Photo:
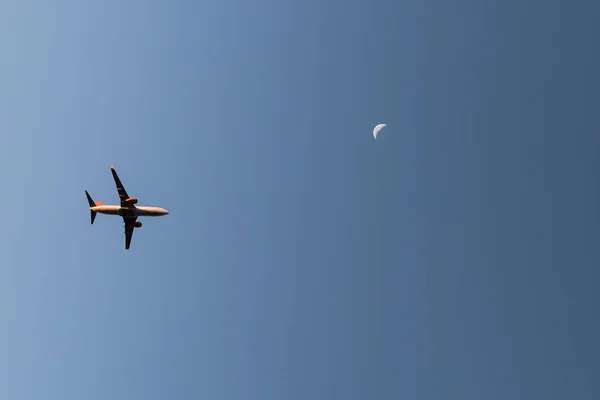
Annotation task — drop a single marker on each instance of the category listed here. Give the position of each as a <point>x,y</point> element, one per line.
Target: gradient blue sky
<point>456,257</point>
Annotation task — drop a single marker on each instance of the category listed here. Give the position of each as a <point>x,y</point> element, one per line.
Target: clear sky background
<point>456,257</point>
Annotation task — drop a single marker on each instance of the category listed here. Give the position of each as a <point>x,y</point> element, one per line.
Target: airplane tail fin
<point>92,204</point>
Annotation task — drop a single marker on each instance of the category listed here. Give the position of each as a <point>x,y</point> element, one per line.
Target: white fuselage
<point>141,211</point>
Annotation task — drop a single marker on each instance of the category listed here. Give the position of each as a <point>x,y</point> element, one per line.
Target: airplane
<point>128,209</point>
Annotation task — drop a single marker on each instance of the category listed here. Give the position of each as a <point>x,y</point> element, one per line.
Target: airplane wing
<point>120,189</point>
<point>128,230</point>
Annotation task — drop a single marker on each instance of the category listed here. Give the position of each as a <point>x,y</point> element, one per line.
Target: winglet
<point>112,167</point>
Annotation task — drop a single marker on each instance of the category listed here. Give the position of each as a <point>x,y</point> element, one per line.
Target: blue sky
<point>456,257</point>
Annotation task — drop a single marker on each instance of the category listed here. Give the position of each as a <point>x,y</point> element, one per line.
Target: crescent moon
<point>377,129</point>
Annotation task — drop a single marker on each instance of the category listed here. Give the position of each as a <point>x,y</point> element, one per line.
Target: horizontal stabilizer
<point>90,201</point>
<point>92,204</point>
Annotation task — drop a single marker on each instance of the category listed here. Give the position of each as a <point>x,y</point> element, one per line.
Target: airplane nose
<point>165,211</point>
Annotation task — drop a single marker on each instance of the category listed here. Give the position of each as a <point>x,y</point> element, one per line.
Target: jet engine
<point>131,200</point>
<point>137,224</point>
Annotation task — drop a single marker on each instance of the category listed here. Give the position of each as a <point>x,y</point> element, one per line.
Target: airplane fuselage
<point>138,211</point>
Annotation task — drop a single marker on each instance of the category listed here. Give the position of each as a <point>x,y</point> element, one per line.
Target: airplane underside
<point>138,212</point>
